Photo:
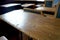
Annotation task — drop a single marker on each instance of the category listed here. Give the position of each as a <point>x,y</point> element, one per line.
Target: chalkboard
<point>48,4</point>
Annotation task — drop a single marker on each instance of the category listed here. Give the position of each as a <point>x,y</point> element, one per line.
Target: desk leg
<point>34,39</point>
<point>20,36</point>
<point>43,14</point>
<point>29,38</point>
<point>25,37</point>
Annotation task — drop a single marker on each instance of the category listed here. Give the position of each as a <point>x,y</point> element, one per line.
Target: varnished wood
<point>34,25</point>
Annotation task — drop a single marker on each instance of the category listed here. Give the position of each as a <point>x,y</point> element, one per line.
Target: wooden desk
<point>34,25</point>
<point>41,9</point>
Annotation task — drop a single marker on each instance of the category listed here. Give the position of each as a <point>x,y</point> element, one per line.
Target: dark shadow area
<point>8,9</point>
<point>22,2</point>
<point>45,12</point>
<point>8,31</point>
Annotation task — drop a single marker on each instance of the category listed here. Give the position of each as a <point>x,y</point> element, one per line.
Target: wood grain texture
<point>34,25</point>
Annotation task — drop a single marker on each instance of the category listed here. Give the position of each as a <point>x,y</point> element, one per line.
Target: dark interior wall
<point>6,0</point>
<point>22,2</point>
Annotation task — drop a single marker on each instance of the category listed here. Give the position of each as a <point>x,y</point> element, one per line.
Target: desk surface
<point>34,25</point>
<point>46,9</point>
